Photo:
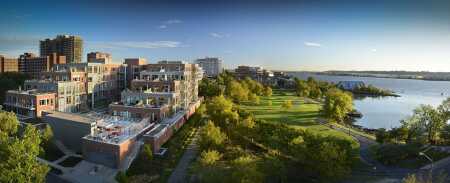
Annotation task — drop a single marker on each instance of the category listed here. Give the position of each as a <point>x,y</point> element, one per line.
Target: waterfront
<point>386,112</point>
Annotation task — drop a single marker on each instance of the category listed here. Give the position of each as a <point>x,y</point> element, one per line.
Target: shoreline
<point>386,77</point>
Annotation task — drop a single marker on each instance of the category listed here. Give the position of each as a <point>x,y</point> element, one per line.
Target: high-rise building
<point>99,57</point>
<point>211,66</point>
<point>64,45</point>
<point>8,64</point>
<point>33,65</point>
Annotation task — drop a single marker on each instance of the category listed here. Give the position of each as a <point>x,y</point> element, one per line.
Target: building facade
<point>29,103</point>
<point>134,65</point>
<point>33,65</point>
<point>63,45</point>
<point>8,64</point>
<point>99,57</point>
<point>212,67</point>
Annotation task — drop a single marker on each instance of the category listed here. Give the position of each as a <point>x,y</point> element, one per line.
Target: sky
<point>280,35</point>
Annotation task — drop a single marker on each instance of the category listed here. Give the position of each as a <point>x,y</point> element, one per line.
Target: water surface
<point>386,112</point>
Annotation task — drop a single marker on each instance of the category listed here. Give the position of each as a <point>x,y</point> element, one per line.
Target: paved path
<point>179,175</point>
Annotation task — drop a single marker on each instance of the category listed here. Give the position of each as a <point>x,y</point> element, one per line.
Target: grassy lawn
<point>302,115</point>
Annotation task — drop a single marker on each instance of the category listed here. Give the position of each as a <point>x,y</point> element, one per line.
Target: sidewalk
<point>179,175</point>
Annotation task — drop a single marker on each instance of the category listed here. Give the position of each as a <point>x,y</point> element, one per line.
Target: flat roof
<point>70,116</point>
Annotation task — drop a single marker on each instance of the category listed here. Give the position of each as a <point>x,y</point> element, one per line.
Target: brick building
<point>33,65</point>
<point>8,64</point>
<point>64,45</point>
<point>29,103</point>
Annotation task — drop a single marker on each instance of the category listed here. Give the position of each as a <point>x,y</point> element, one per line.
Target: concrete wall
<point>111,155</point>
<point>69,132</point>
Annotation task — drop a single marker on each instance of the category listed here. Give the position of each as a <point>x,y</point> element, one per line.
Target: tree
<point>267,91</point>
<point>237,92</point>
<point>431,120</point>
<point>382,136</point>
<point>211,136</point>
<point>8,123</point>
<point>302,88</point>
<point>245,170</point>
<point>209,157</point>
<point>287,104</point>
<point>18,157</point>
<point>47,136</point>
<point>220,111</point>
<point>254,99</point>
<point>209,88</point>
<point>337,105</point>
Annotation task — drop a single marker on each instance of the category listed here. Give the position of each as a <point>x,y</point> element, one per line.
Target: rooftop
<point>70,116</point>
<point>29,92</point>
<point>115,129</point>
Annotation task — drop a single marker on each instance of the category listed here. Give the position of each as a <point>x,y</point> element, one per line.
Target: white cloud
<point>373,50</point>
<point>166,23</point>
<point>135,44</point>
<point>218,35</point>
<point>312,44</point>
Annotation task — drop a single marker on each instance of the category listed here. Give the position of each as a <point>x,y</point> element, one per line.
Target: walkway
<point>179,175</point>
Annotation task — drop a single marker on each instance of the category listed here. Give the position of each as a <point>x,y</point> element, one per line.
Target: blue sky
<point>293,35</point>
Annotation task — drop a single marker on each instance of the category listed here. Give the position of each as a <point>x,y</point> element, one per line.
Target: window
<point>42,102</point>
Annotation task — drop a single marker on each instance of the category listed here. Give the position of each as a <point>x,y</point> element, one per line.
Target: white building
<point>211,66</point>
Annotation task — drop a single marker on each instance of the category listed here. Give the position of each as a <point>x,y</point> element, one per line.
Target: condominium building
<point>29,103</point>
<point>8,64</point>
<point>211,66</point>
<point>99,57</point>
<point>33,65</point>
<point>133,68</point>
<point>64,45</point>
<point>160,90</point>
<point>70,95</point>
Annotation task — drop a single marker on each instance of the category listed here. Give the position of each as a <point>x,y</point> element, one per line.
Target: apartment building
<point>8,64</point>
<point>64,45</point>
<point>134,66</point>
<point>29,103</point>
<point>33,65</point>
<point>99,57</point>
<point>256,73</point>
<point>212,67</point>
<point>160,90</point>
<point>70,95</point>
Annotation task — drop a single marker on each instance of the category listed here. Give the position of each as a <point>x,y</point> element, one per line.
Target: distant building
<point>8,64</point>
<point>33,65</point>
<point>211,66</point>
<point>29,103</point>
<point>99,57</point>
<point>350,85</point>
<point>63,45</point>
<point>256,73</point>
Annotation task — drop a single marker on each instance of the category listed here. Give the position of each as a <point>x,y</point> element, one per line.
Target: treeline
<point>372,91</point>
<point>337,104</point>
<point>236,147</point>
<point>427,125</point>
<point>246,90</point>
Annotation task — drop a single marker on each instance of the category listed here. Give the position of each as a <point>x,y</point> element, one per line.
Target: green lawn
<point>302,114</point>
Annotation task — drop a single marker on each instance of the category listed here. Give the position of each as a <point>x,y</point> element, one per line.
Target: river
<point>386,112</point>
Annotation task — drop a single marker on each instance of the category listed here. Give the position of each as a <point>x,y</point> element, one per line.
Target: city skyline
<point>381,35</point>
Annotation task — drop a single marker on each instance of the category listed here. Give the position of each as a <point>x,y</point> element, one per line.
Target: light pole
<point>431,160</point>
